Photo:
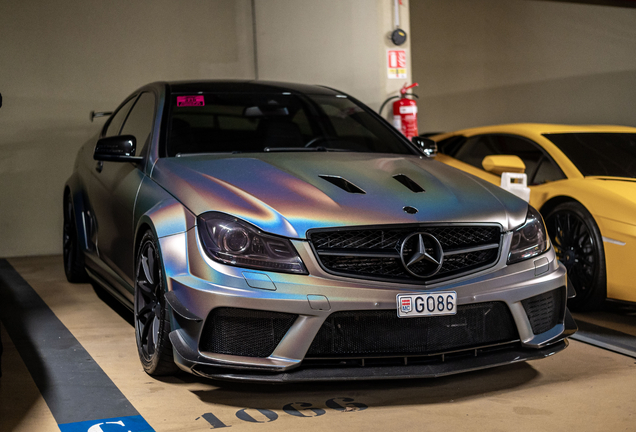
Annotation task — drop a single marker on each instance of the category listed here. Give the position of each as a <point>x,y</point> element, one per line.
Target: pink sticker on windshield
<point>184,101</point>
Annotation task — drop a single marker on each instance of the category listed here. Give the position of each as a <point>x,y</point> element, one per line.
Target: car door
<point>114,187</point>
<point>469,154</point>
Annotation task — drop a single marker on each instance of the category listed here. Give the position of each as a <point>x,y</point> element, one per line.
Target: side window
<point>529,152</point>
<point>114,125</point>
<point>547,172</point>
<point>450,145</point>
<point>140,120</point>
<point>476,149</point>
<point>538,166</point>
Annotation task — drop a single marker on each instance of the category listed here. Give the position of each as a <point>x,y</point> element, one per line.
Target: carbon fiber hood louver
<point>409,183</point>
<point>343,184</point>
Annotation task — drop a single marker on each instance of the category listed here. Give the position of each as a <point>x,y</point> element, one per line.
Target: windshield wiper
<point>302,149</point>
<point>208,153</point>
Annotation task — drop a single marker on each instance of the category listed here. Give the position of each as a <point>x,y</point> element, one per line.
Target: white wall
<point>61,59</point>
<point>337,43</point>
<point>497,61</point>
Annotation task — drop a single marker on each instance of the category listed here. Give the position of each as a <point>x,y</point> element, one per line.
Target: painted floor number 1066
<point>296,409</point>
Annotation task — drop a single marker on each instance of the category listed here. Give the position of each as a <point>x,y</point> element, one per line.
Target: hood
<point>284,193</point>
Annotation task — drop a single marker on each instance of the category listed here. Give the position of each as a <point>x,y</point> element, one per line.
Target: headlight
<point>529,239</point>
<point>231,241</point>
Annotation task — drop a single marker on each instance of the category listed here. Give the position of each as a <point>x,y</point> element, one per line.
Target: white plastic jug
<point>516,183</point>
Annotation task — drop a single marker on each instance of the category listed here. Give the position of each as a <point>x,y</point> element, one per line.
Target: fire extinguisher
<point>404,112</point>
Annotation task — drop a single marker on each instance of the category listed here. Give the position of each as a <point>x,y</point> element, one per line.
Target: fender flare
<point>165,218</point>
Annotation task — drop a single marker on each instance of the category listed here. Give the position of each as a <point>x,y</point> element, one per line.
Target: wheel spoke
<point>146,267</point>
<point>67,238</point>
<point>151,264</point>
<point>573,226</point>
<point>145,289</point>
<point>583,238</point>
<point>155,331</point>
<point>144,311</point>
<point>559,228</point>
<point>559,234</point>
<point>148,324</point>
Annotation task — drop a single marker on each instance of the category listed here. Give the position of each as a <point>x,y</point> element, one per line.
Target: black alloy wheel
<point>152,323</point>
<point>578,244</point>
<point>73,255</point>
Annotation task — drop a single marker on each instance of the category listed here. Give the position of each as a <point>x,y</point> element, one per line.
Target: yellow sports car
<point>582,179</point>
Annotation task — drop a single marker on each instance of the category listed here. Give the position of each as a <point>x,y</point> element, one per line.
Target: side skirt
<point>98,279</point>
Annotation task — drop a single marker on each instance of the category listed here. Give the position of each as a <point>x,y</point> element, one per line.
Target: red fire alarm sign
<point>396,64</point>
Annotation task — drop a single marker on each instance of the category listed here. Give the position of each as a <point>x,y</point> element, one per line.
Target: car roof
<point>530,129</point>
<point>247,86</point>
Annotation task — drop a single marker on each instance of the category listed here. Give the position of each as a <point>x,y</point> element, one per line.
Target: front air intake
<point>380,333</point>
<point>343,184</point>
<point>244,332</point>
<point>545,310</point>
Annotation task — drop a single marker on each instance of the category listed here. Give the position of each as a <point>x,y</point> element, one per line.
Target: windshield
<point>599,154</point>
<point>239,122</point>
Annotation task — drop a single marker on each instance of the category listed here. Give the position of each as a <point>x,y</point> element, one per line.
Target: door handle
<point>99,166</point>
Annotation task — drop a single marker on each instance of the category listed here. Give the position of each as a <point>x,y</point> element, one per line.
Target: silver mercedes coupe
<point>275,232</point>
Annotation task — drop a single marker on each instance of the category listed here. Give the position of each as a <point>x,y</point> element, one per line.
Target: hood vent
<point>406,181</point>
<point>343,184</point>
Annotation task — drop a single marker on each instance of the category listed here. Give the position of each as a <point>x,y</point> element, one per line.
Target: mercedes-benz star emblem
<point>422,254</point>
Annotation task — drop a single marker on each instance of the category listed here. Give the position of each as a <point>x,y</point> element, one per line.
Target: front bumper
<point>197,285</point>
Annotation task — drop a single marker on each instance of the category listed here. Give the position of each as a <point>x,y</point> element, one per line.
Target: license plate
<point>426,304</point>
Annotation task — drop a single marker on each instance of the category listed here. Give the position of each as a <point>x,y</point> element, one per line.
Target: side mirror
<point>426,145</point>
<point>499,164</point>
<point>117,149</point>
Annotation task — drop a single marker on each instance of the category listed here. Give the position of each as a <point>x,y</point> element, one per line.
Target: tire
<point>578,244</point>
<point>72,252</point>
<point>152,318</point>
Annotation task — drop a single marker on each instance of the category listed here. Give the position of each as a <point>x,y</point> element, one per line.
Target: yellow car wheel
<point>579,246</point>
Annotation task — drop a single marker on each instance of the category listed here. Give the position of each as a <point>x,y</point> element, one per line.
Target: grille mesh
<point>336,250</point>
<point>449,237</point>
<point>545,310</point>
<point>244,332</point>
<point>382,333</point>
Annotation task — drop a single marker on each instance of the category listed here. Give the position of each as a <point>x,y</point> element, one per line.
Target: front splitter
<point>449,367</point>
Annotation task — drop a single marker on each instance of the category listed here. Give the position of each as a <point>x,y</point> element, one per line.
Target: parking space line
<point>605,338</point>
<point>78,392</point>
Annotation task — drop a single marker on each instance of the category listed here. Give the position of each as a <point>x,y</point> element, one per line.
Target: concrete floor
<point>584,388</point>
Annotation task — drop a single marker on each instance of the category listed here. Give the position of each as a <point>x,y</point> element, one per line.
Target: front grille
<point>545,310</point>
<point>382,334</point>
<point>376,253</point>
<point>244,332</point>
